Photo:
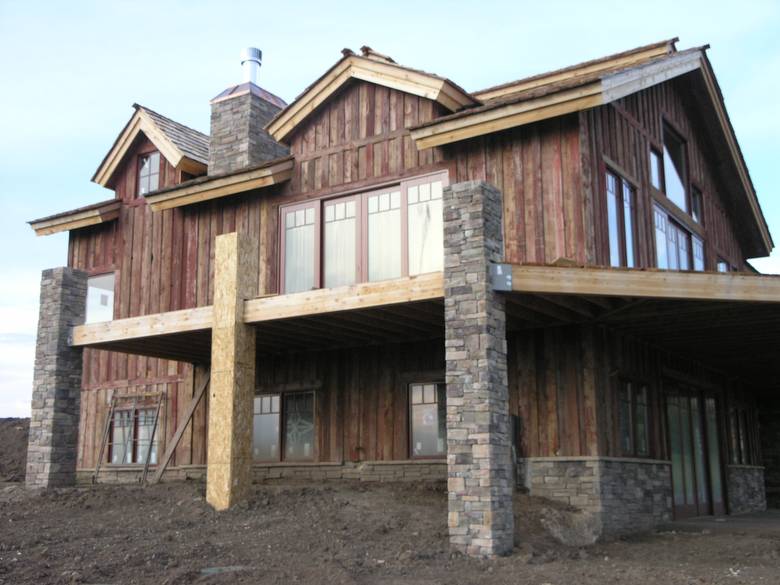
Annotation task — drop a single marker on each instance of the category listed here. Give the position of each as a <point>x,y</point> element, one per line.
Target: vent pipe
<point>251,58</point>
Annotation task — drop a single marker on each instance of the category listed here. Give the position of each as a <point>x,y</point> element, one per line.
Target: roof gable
<point>374,68</point>
<point>183,147</point>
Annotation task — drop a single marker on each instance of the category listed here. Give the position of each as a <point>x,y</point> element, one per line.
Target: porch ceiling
<point>730,322</point>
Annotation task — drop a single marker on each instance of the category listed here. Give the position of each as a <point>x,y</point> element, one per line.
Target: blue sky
<point>71,70</point>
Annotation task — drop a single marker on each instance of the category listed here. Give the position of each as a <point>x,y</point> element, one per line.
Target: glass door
<point>694,445</point>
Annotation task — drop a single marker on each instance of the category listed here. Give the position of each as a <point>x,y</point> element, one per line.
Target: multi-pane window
<point>283,427</point>
<point>676,248</point>
<point>633,423</point>
<point>620,216</point>
<point>427,403</point>
<point>148,173</point>
<point>132,438</point>
<point>100,298</point>
<point>366,237</point>
<point>299,241</point>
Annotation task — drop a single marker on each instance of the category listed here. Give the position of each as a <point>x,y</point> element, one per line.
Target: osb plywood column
<point>54,424</point>
<point>478,441</point>
<point>232,372</point>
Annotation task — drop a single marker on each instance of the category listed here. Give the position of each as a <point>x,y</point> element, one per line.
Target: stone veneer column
<point>231,392</point>
<point>54,424</point>
<point>478,443</point>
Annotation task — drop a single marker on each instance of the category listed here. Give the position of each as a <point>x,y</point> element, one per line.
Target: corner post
<point>56,398</point>
<point>478,428</point>
<point>229,467</point>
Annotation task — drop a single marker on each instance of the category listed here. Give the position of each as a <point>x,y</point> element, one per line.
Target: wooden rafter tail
<point>163,464</point>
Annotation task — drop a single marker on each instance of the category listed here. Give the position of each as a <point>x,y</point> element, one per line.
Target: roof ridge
<point>670,42</point>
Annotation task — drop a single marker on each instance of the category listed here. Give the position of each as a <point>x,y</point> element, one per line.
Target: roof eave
<point>82,217</point>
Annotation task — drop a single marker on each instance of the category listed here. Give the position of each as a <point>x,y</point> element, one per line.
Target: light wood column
<point>229,470</point>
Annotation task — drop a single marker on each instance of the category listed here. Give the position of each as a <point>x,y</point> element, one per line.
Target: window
<point>674,169</point>
<point>132,437</point>
<point>299,248</point>
<point>742,438</point>
<point>633,419</point>
<point>676,248</point>
<point>428,419</point>
<point>697,206</point>
<point>656,170</point>
<point>148,173</point>
<point>100,298</point>
<point>366,237</point>
<point>283,425</point>
<point>620,216</point>
<point>723,266</point>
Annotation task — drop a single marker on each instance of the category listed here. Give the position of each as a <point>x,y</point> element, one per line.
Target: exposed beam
<point>360,296</point>
<point>185,320</point>
<point>654,284</point>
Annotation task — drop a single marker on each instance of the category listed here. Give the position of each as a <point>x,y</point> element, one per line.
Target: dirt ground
<point>13,448</point>
<point>345,533</point>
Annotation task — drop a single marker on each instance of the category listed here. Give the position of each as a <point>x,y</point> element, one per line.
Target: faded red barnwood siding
<point>623,133</point>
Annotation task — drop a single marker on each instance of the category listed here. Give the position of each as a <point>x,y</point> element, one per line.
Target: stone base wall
<point>746,490</point>
<point>623,495</point>
<point>368,471</point>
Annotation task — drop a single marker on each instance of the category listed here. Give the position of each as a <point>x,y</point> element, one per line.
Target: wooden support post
<point>229,467</point>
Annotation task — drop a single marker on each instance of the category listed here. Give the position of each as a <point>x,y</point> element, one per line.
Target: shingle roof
<point>192,143</point>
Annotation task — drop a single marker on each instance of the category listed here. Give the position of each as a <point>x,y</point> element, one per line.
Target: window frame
<point>139,168</point>
<point>361,195</point>
<point>669,128</point>
<point>634,384</point>
<point>409,414</point>
<point>137,458</point>
<point>672,220</point>
<point>283,426</point>
<point>622,183</point>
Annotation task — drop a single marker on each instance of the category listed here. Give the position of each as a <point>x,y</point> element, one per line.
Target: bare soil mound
<point>345,533</point>
<point>13,448</point>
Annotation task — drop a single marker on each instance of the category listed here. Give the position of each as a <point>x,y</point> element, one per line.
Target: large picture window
<point>620,217</point>
<point>427,405</point>
<point>364,237</point>
<point>132,437</point>
<point>283,427</point>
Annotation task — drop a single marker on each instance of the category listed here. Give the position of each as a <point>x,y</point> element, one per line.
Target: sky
<point>70,72</point>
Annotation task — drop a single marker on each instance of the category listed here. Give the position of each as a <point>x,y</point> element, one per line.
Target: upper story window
<point>675,173</point>
<point>621,197</point>
<point>100,298</point>
<point>676,248</point>
<point>697,206</point>
<point>148,173</point>
<point>723,265</point>
<point>364,237</point>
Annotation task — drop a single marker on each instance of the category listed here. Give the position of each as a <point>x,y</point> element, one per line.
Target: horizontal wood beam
<point>349,298</point>
<point>652,284</point>
<point>185,320</point>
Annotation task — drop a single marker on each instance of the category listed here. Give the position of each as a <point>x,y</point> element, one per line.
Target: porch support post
<point>229,469</point>
<point>54,424</point>
<point>478,428</point>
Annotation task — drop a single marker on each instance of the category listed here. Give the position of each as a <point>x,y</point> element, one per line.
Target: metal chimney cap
<point>251,54</point>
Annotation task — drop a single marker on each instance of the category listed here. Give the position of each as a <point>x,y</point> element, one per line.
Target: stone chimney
<point>238,117</point>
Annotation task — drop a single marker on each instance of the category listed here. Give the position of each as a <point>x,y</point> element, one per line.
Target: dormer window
<point>148,173</point>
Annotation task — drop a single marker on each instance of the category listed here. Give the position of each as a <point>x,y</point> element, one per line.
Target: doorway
<point>695,449</point>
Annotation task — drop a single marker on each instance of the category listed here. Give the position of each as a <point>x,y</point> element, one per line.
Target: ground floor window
<point>283,427</point>
<point>633,419</point>
<point>427,403</point>
<point>132,436</point>
<point>743,442</point>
